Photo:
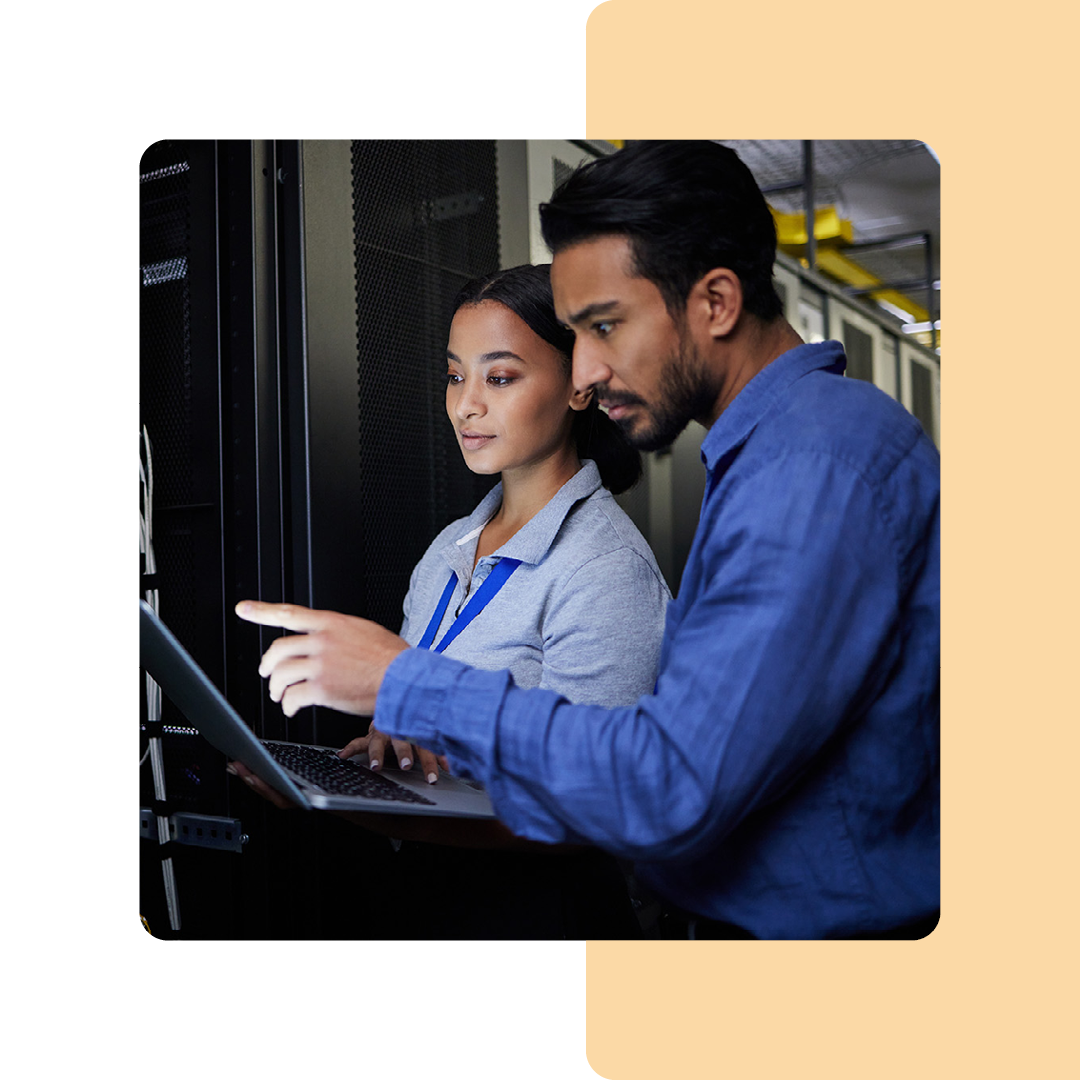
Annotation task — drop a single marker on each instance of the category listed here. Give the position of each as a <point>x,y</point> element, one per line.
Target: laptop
<point>314,777</point>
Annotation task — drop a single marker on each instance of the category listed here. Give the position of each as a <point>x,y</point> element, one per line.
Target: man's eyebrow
<point>601,307</point>
<point>488,357</point>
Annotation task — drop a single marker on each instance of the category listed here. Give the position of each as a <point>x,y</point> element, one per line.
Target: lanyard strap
<point>489,587</point>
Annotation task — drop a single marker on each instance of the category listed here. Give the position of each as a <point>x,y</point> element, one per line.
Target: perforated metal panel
<point>425,221</point>
<point>166,375</point>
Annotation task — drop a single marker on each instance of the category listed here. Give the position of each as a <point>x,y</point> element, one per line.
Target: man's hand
<point>332,659</point>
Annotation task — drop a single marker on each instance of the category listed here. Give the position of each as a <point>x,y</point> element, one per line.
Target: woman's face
<point>508,392</point>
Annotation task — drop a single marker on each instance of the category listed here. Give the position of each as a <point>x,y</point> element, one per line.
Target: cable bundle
<point>146,548</point>
<point>153,691</point>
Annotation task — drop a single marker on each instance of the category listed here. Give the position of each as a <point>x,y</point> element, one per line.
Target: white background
<point>86,92</point>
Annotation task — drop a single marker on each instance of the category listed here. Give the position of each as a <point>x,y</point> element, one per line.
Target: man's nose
<point>589,369</point>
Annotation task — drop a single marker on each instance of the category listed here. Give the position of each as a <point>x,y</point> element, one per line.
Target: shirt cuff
<point>421,699</point>
<point>454,709</point>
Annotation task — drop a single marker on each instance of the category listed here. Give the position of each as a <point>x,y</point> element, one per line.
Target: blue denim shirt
<point>784,776</point>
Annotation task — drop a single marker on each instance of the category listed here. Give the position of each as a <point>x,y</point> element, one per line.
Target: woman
<point>583,612</point>
<point>579,609</point>
<point>548,578</point>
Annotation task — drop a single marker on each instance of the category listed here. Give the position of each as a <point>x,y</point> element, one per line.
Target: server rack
<point>295,302</point>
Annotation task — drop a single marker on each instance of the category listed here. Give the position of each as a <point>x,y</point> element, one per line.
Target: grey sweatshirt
<point>582,615</point>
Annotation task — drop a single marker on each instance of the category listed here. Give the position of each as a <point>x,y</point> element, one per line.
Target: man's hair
<point>685,208</point>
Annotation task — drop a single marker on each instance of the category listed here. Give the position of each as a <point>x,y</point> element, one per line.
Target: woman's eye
<point>452,378</point>
<point>500,380</point>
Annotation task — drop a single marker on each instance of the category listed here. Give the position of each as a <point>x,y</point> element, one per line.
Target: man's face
<point>645,371</point>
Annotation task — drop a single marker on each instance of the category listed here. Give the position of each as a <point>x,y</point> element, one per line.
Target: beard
<point>686,393</point>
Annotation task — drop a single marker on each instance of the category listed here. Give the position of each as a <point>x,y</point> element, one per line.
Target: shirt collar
<point>531,542</point>
<point>739,419</point>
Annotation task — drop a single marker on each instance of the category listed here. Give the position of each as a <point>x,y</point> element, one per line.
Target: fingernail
<point>405,763</point>
<point>230,769</point>
<point>432,777</point>
<point>373,764</point>
<point>249,780</point>
<point>243,607</point>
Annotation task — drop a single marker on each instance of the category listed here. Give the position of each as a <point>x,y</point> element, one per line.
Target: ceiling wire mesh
<point>775,162</point>
<point>858,178</point>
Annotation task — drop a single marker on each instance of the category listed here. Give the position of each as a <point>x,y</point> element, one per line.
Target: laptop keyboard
<point>340,776</point>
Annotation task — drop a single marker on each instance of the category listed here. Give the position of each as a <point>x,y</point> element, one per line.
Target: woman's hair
<point>685,207</point>
<point>526,291</point>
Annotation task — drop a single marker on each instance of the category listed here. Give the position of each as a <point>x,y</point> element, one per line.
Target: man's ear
<point>716,302</point>
<point>580,399</point>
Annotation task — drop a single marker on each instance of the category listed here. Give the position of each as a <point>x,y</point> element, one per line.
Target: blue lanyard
<point>490,586</point>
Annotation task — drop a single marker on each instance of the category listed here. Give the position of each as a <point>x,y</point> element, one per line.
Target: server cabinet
<point>295,303</point>
<point>920,388</point>
<point>389,232</point>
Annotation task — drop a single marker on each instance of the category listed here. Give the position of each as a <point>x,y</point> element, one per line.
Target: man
<point>782,781</point>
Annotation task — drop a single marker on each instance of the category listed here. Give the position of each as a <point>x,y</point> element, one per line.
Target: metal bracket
<point>199,830</point>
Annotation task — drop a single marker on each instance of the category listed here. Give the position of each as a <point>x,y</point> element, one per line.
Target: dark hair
<point>526,291</point>
<point>686,208</point>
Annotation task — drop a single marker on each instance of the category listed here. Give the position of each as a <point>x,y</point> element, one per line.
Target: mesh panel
<point>165,369</point>
<point>426,221</point>
<point>780,161</point>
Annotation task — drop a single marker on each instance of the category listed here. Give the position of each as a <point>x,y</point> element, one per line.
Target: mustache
<point>611,398</point>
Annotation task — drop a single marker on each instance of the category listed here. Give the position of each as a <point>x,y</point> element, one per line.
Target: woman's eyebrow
<point>488,357</point>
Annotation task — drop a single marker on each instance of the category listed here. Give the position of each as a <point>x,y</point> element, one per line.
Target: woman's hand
<point>374,744</point>
<point>260,787</point>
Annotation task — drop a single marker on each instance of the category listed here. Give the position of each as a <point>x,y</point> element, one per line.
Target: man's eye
<point>602,329</point>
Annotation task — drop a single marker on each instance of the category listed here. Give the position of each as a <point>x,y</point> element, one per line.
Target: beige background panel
<point>991,992</point>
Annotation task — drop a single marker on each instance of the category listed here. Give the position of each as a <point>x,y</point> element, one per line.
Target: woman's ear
<point>580,399</point>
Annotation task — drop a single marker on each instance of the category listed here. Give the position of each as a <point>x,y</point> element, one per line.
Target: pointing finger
<point>287,616</point>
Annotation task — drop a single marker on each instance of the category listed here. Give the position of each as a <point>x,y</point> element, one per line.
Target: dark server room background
<point>295,300</point>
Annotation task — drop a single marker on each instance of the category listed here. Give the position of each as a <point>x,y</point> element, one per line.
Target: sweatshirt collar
<point>531,542</point>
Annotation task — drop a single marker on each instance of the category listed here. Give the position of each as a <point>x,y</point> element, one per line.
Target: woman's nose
<point>469,403</point>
